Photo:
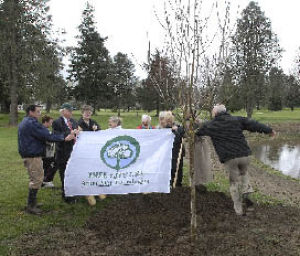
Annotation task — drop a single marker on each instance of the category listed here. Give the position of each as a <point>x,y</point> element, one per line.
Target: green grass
<point>14,187</point>
<point>13,196</point>
<point>221,184</point>
<point>14,181</point>
<point>267,116</point>
<point>129,119</point>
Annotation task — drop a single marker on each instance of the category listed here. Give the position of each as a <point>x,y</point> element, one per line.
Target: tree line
<point>32,54</point>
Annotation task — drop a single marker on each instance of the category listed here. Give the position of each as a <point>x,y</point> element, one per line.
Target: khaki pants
<point>35,170</point>
<point>239,181</point>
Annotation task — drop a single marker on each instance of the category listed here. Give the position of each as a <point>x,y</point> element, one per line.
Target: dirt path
<point>275,186</point>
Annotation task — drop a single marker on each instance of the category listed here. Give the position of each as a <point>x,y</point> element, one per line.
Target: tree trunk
<point>94,107</point>
<point>157,106</point>
<point>249,109</point>
<point>13,84</point>
<point>48,106</point>
<point>191,140</point>
<point>13,115</point>
<point>258,106</point>
<point>249,112</point>
<point>5,106</point>
<point>13,64</point>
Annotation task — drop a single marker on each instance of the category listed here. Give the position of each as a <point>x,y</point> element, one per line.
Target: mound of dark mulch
<point>158,224</point>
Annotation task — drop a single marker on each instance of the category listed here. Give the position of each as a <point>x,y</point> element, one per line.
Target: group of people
<point>42,159</point>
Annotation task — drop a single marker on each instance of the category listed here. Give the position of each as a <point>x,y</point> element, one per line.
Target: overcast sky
<point>130,24</point>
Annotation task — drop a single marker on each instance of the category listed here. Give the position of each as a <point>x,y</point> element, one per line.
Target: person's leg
<point>62,169</point>
<point>243,166</point>
<point>36,174</point>
<point>235,185</point>
<point>50,169</point>
<point>246,186</point>
<point>173,170</point>
<point>180,173</point>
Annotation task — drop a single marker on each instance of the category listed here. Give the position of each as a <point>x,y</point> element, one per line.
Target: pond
<point>282,156</point>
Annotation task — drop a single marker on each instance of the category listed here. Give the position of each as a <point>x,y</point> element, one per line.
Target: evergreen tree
<point>256,50</point>
<point>277,81</point>
<point>147,97</point>
<point>292,92</point>
<point>90,63</point>
<point>25,28</point>
<point>160,83</point>
<point>12,24</point>
<point>228,92</point>
<point>123,81</point>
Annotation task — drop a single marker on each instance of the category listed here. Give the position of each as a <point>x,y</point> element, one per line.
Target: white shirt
<point>66,121</point>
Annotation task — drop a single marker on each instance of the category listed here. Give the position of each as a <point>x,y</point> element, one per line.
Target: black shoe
<point>33,210</point>
<point>70,200</point>
<point>248,204</point>
<point>201,189</point>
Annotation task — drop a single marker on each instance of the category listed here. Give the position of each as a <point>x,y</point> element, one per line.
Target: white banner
<point>120,161</point>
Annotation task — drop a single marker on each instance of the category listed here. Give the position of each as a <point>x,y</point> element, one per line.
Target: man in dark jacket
<point>32,137</point>
<point>65,125</point>
<point>226,132</point>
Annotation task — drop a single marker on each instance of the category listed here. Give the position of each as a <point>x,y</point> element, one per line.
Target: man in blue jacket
<point>226,132</point>
<point>32,137</point>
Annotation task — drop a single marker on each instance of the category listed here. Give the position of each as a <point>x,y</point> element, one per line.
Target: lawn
<point>14,181</point>
<point>267,116</point>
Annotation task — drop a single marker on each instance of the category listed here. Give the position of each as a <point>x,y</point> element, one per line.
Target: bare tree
<point>197,39</point>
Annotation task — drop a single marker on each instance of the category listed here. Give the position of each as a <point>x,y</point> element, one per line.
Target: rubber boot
<point>31,203</point>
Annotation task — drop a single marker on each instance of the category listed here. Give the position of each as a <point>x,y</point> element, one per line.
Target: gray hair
<point>218,109</point>
<point>146,118</point>
<point>116,120</point>
<point>167,117</point>
<point>87,108</point>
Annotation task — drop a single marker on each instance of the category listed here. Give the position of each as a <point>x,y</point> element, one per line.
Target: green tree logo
<point>120,152</point>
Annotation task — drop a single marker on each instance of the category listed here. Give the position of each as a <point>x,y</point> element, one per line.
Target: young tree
<point>90,62</point>
<point>256,50</point>
<point>191,40</point>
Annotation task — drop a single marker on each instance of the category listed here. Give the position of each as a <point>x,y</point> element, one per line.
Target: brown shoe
<point>102,197</point>
<point>91,200</point>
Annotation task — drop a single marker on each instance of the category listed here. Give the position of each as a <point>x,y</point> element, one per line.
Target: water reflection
<point>281,156</point>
